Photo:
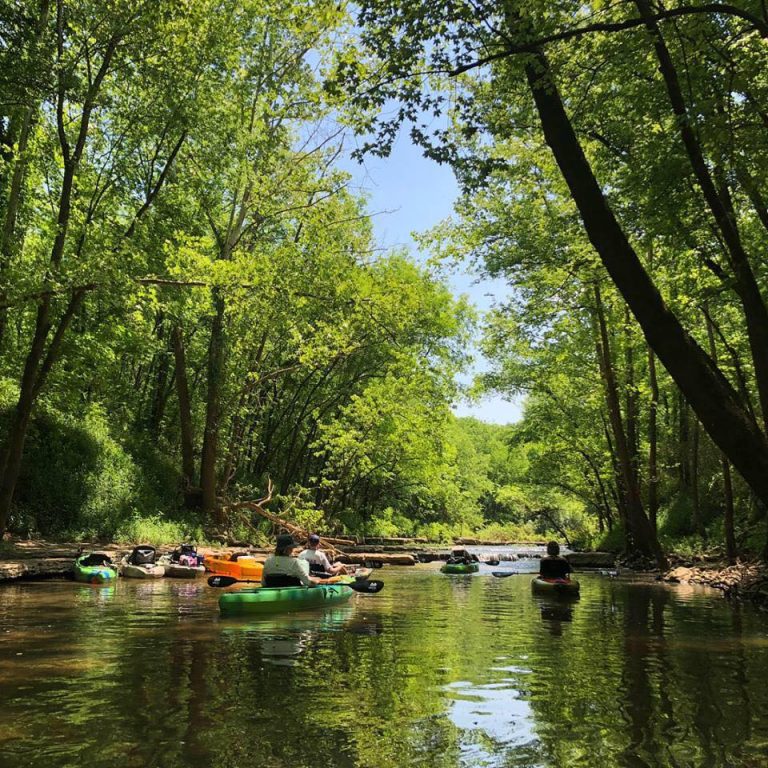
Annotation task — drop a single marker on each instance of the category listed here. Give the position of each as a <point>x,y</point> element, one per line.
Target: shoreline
<point>30,559</point>
<point>744,581</point>
<point>39,559</point>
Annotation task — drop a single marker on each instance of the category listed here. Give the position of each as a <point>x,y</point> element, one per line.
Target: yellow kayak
<point>243,567</point>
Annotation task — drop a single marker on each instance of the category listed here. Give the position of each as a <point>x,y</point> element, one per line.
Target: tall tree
<point>508,48</point>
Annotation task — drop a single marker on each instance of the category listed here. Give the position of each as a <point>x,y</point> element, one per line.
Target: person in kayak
<point>460,556</point>
<point>318,560</point>
<point>553,566</point>
<point>284,569</point>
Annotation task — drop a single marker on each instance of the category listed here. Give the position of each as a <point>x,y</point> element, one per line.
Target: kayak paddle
<point>364,586</point>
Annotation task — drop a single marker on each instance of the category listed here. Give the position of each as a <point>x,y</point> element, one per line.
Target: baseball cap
<point>314,538</point>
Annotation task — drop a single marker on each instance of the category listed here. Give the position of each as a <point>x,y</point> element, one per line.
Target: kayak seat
<point>143,555</point>
<point>96,559</point>
<point>274,580</point>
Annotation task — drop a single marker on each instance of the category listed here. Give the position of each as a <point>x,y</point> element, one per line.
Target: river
<point>440,671</point>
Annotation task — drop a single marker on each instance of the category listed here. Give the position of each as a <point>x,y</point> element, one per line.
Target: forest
<point>193,303</point>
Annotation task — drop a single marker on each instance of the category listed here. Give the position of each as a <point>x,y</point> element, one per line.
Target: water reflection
<point>433,671</point>
<point>555,611</point>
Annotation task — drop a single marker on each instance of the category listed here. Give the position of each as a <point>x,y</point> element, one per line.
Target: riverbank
<point>40,559</point>
<point>744,581</point>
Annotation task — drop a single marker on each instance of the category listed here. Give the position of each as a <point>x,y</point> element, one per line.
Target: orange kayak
<point>243,567</point>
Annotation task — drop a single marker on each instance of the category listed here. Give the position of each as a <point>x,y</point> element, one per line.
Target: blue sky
<point>409,193</point>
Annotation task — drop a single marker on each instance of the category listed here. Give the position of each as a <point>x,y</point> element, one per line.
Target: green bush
<point>437,532</point>
<point>155,529</point>
<point>78,481</point>
<point>675,517</point>
<point>612,541</point>
<point>389,523</point>
<point>511,532</point>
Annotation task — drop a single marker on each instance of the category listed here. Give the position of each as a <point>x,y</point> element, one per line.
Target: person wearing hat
<point>284,569</point>
<point>318,560</point>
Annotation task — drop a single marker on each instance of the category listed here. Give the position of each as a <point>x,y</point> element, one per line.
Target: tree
<point>416,53</point>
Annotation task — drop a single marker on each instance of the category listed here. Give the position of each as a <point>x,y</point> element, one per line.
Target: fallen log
<point>591,559</point>
<point>356,558</point>
<point>386,540</point>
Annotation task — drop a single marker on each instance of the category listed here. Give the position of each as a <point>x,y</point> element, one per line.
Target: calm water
<point>435,670</point>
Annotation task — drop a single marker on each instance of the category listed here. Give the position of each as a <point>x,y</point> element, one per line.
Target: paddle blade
<point>367,587</point>
<point>222,581</point>
<point>503,574</point>
<point>373,564</point>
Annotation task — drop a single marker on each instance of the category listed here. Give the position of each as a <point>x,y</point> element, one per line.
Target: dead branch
<point>299,533</point>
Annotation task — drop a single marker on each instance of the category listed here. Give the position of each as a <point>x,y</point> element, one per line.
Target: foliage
<point>192,301</point>
<point>157,529</point>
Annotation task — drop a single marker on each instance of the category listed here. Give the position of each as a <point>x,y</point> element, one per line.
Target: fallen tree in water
<point>280,523</point>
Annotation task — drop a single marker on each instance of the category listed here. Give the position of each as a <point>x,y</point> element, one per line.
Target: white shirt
<point>316,557</point>
<point>287,566</point>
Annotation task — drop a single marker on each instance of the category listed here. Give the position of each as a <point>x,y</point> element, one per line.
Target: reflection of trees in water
<point>682,706</point>
<point>638,703</point>
<point>638,652</point>
<point>740,679</point>
<point>377,686</point>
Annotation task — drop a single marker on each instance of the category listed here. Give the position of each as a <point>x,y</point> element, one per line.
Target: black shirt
<point>554,568</point>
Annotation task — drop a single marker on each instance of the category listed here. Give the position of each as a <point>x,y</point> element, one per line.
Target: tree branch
<point>758,24</point>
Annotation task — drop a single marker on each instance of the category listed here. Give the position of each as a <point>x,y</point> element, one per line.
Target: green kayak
<point>555,586</point>
<point>460,568</point>
<point>247,602</point>
<point>94,568</point>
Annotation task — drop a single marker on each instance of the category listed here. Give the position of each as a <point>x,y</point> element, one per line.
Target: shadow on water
<point>437,671</point>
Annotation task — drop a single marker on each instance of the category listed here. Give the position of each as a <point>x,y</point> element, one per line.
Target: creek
<point>435,670</point>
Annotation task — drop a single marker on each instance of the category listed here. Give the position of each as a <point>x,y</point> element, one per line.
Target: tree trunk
<point>630,400</point>
<point>639,536</point>
<point>209,455</point>
<point>160,392</point>
<point>728,515</point>
<point>38,362</point>
<point>37,366</point>
<point>698,524</point>
<point>185,409</point>
<point>653,468</point>
<point>616,489</point>
<point>746,285</point>
<point>683,445</point>
<point>710,394</point>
